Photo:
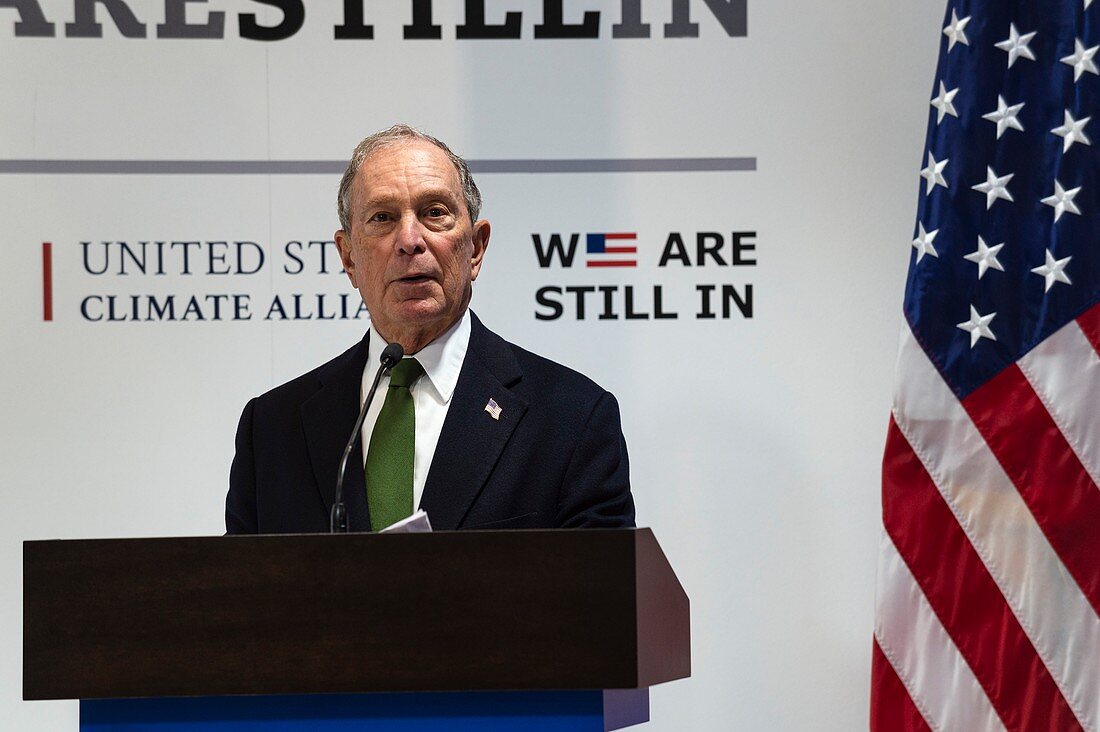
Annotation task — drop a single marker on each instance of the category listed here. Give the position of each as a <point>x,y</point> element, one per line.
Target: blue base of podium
<point>533,711</point>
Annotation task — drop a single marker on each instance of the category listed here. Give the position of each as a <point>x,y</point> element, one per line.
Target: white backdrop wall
<point>755,442</point>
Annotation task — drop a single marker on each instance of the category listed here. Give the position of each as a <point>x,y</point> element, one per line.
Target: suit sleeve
<point>596,491</point>
<point>240,502</point>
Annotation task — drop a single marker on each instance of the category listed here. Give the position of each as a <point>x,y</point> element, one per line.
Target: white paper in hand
<point>418,523</point>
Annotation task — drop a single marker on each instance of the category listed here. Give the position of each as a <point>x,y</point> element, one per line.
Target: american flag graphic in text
<point>988,592</point>
<point>611,250</point>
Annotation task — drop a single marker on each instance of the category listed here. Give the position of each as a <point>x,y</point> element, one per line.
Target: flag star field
<point>1008,160</point>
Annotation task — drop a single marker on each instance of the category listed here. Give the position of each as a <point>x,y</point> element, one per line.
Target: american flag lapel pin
<point>493,409</point>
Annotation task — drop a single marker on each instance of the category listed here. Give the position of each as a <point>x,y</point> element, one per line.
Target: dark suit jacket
<point>555,458</point>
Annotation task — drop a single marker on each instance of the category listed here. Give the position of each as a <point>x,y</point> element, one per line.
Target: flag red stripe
<point>620,250</point>
<point>613,263</point>
<point>47,280</point>
<point>1045,470</point>
<point>891,708</point>
<point>964,596</point>
<point>1089,322</point>
<point>620,236</point>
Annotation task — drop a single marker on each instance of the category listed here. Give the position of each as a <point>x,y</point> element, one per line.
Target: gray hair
<point>394,136</point>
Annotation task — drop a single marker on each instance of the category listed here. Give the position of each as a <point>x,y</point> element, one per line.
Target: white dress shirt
<point>442,361</point>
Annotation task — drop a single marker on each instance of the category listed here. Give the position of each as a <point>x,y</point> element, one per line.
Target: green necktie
<point>389,469</point>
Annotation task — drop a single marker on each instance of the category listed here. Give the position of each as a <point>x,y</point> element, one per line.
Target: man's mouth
<point>414,279</point>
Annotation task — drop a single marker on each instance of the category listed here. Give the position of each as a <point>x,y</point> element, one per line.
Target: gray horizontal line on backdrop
<point>335,167</point>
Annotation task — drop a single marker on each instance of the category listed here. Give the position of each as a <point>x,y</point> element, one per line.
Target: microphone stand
<point>338,518</point>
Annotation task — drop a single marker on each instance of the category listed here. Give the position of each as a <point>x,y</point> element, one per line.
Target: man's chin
<point>419,312</point>
<point>419,317</point>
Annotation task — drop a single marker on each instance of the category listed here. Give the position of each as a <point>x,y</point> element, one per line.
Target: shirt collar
<point>442,358</point>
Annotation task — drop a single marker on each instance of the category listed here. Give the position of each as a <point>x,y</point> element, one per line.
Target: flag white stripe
<point>1052,610</point>
<point>1064,371</point>
<point>939,680</point>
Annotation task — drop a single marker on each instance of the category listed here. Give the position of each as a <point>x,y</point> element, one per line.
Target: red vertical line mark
<point>47,281</point>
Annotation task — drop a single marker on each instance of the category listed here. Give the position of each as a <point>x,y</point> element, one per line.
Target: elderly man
<point>474,430</point>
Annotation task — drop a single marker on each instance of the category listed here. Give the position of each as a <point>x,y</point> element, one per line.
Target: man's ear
<point>343,245</point>
<point>481,243</point>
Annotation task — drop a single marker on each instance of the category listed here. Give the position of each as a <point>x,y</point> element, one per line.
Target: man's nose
<point>410,235</point>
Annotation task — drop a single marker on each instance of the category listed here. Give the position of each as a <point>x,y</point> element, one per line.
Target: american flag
<point>988,596</point>
<point>611,250</point>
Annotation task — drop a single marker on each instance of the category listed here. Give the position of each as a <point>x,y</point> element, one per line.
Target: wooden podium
<point>543,630</point>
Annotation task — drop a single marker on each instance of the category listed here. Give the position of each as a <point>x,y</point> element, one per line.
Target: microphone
<point>338,519</point>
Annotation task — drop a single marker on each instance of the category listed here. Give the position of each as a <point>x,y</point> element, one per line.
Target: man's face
<point>412,251</point>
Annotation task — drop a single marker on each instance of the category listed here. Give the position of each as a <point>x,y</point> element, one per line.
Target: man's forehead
<point>405,162</point>
<point>388,194</point>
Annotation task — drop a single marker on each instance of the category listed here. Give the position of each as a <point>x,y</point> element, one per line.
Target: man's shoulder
<point>536,377</point>
<point>541,368</point>
<point>348,366</point>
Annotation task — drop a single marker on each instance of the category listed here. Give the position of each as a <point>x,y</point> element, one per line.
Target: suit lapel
<point>328,418</point>
<point>472,440</point>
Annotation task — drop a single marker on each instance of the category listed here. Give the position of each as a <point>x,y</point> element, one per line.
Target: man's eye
<point>380,216</point>
<point>437,211</point>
